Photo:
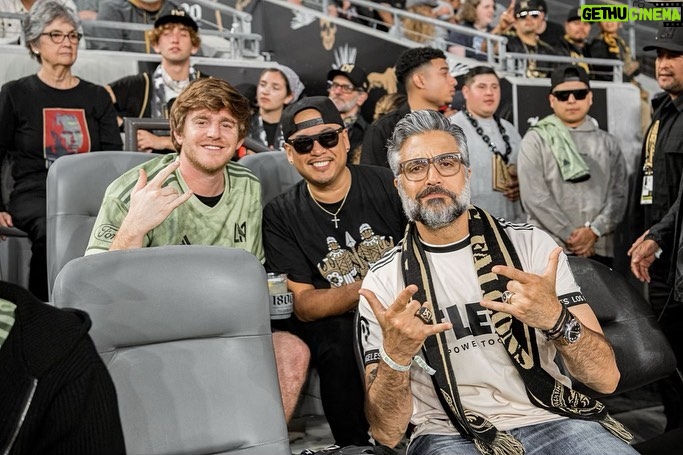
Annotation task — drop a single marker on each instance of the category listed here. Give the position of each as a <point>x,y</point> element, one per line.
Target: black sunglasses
<point>563,95</point>
<point>304,144</point>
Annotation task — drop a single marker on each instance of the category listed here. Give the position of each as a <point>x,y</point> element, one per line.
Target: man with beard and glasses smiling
<point>325,233</point>
<point>461,322</point>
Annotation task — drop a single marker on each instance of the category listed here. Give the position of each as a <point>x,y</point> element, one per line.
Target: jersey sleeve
<point>109,219</point>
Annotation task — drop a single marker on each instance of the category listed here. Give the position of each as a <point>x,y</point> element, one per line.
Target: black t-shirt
<point>301,240</point>
<point>270,129</point>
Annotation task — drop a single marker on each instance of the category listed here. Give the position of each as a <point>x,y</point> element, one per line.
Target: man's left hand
<point>534,300</point>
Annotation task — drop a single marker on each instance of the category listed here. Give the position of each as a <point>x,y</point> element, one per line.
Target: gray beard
<point>435,214</point>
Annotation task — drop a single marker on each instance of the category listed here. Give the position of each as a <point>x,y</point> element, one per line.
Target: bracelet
<point>556,330</point>
<point>389,361</point>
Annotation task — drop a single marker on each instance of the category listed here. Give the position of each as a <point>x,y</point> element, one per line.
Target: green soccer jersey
<point>235,221</point>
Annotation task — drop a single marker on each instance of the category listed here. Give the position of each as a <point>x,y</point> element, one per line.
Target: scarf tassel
<point>616,428</point>
<point>503,444</point>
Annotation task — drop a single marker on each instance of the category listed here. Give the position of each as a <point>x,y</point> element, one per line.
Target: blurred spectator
<point>87,9</point>
<point>176,38</point>
<point>420,31</point>
<point>572,175</point>
<point>384,20</point>
<point>10,29</point>
<point>476,14</point>
<point>608,44</point>
<point>56,394</point>
<point>277,87</point>
<point>47,115</point>
<point>424,73</point>
<point>574,42</point>
<point>493,144</point>
<point>524,39</point>
<point>347,87</point>
<point>549,31</point>
<point>132,12</point>
<point>388,103</point>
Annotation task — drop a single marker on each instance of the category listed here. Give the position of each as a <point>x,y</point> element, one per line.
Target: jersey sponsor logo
<point>240,232</point>
<point>478,321</point>
<point>106,232</point>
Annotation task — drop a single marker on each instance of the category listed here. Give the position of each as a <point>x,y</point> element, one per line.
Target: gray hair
<point>419,122</point>
<point>42,13</point>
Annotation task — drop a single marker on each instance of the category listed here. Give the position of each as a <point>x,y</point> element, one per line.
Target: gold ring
<point>425,314</point>
<point>507,297</point>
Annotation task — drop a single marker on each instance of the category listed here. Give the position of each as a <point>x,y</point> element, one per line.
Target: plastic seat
<point>185,334</point>
<point>273,171</point>
<point>75,188</point>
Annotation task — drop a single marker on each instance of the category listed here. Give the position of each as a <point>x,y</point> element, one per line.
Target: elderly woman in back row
<point>44,116</point>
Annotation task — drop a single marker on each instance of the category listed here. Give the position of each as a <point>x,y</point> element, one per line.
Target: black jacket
<point>56,395</point>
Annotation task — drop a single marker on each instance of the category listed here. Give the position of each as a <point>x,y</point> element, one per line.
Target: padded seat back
<point>75,188</point>
<point>274,172</point>
<point>185,333</point>
<point>643,354</point>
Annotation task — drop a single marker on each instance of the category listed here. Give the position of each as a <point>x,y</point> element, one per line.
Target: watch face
<point>572,331</point>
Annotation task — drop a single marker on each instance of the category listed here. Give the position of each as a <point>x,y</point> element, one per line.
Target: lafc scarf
<point>491,246</point>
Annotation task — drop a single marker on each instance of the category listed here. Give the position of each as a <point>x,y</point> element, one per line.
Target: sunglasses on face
<point>563,95</point>
<point>304,144</point>
<point>524,14</point>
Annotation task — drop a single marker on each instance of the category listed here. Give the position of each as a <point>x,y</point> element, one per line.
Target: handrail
<point>617,65</point>
<point>245,19</point>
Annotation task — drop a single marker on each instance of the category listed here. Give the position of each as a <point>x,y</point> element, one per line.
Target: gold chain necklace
<point>335,219</point>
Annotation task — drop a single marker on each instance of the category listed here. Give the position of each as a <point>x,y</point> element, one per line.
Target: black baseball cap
<point>529,5</point>
<point>354,73</point>
<point>574,14</point>
<point>177,16</point>
<point>567,74</point>
<point>669,38</point>
<point>328,114</point>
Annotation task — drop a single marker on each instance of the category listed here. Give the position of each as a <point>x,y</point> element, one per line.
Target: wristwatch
<point>571,332</point>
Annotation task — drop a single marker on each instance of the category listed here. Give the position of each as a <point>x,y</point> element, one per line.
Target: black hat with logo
<point>177,16</point>
<point>669,38</point>
<point>354,73</point>
<point>567,74</point>
<point>328,114</point>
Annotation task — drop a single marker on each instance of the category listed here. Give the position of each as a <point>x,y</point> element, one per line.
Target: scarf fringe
<point>616,428</point>
<point>504,444</point>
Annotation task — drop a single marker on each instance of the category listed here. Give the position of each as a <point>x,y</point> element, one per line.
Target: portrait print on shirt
<point>65,132</point>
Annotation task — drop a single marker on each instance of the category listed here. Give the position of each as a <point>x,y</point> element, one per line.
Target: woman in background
<point>45,116</point>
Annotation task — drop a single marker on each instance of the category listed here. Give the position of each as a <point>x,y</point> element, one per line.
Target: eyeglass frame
<point>580,94</point>
<point>315,138</point>
<point>331,85</point>
<point>432,161</point>
<point>56,33</point>
<point>524,14</point>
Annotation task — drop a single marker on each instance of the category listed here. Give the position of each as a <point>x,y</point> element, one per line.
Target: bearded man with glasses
<point>322,233</point>
<point>460,325</point>
<point>572,175</point>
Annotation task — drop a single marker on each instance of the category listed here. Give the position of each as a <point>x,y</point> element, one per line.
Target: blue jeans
<point>560,437</point>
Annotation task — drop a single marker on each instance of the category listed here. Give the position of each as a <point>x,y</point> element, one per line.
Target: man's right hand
<point>5,221</point>
<point>642,254</point>
<point>403,332</point>
<point>150,205</point>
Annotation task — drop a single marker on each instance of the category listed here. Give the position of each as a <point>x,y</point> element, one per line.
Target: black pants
<point>29,214</point>
<point>331,343</point>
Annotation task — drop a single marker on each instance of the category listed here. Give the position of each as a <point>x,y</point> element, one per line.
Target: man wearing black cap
<point>657,200</point>
<point>572,175</point>
<point>574,41</point>
<point>348,89</point>
<point>524,38</point>
<point>325,233</point>
<point>175,37</point>
<point>424,73</point>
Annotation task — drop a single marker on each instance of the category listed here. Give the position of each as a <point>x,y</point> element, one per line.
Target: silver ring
<point>507,297</point>
<point>425,314</point>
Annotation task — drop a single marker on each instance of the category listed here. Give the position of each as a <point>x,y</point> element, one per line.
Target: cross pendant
<point>336,221</point>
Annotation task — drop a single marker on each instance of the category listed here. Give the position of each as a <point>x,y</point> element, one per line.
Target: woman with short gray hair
<point>45,116</point>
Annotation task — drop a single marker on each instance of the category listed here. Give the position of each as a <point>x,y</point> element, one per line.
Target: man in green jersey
<point>198,196</point>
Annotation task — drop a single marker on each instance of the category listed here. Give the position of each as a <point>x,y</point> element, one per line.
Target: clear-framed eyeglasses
<point>58,37</point>
<point>447,164</point>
